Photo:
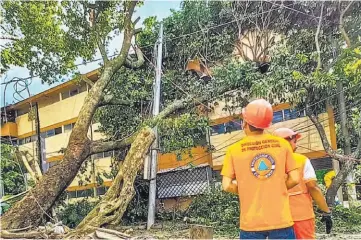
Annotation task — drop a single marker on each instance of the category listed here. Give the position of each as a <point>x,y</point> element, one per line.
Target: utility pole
<point>37,128</point>
<point>155,145</point>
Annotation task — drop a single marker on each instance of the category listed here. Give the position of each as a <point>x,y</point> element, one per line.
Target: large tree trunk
<point>111,208</point>
<point>41,198</point>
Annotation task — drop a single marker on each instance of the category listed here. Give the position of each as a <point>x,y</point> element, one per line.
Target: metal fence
<point>185,182</point>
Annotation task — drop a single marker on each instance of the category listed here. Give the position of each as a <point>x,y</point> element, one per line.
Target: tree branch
<point>341,24</point>
<point>86,79</point>
<point>12,38</point>
<point>105,146</point>
<point>319,64</point>
<point>138,63</point>
<point>129,7</point>
<point>102,50</point>
<point>357,152</point>
<point>326,145</point>
<point>109,99</point>
<point>137,30</point>
<point>136,21</point>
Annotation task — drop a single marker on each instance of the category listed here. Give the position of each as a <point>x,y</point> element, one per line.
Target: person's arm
<point>293,178</point>
<point>317,196</point>
<point>293,175</point>
<point>228,185</point>
<point>228,174</point>
<point>309,177</point>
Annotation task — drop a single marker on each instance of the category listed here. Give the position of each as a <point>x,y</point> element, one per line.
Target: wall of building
<point>310,143</point>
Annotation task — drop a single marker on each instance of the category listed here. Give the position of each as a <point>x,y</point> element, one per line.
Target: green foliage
<point>11,175</point>
<point>320,174</point>
<point>182,132</point>
<point>346,220</point>
<point>73,213</point>
<point>218,209</point>
<point>49,36</point>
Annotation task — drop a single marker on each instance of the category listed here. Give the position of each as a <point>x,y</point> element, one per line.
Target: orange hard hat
<point>286,133</point>
<point>258,113</point>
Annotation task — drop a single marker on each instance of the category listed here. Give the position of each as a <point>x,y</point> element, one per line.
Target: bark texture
<point>41,198</point>
<point>111,208</point>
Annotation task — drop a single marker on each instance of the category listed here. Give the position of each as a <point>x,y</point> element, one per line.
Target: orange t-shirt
<point>259,164</point>
<point>300,198</point>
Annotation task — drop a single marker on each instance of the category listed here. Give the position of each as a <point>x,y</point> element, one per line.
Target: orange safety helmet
<point>286,133</point>
<point>258,113</point>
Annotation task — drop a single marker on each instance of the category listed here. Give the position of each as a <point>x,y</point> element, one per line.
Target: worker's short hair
<point>254,129</point>
<point>291,137</point>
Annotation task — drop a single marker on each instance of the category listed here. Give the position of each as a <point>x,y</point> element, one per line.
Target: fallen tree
<point>111,208</point>
<point>41,198</point>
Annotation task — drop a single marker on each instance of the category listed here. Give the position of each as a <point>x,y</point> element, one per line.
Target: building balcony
<point>9,129</point>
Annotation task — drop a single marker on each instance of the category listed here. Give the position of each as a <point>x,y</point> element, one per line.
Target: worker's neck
<point>255,133</point>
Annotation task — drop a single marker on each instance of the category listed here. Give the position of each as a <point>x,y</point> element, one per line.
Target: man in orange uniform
<point>259,163</point>
<point>301,195</point>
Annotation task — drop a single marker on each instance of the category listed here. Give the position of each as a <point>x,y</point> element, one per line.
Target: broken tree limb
<point>41,198</point>
<point>17,235</point>
<point>113,232</point>
<point>103,146</point>
<point>200,232</point>
<point>133,64</point>
<point>110,99</point>
<point>325,142</point>
<point>111,208</point>
<point>27,165</point>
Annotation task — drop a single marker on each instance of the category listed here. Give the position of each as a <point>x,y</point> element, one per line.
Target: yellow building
<point>188,175</point>
<point>58,111</point>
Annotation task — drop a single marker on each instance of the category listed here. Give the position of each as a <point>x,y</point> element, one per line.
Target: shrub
<point>73,213</point>
<point>345,220</point>
<point>218,209</point>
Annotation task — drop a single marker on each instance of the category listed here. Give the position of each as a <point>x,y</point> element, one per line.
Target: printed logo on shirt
<point>263,166</point>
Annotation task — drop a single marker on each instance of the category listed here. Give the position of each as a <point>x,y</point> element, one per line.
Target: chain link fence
<point>185,182</point>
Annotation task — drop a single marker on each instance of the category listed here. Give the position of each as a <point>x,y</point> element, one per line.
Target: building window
<point>218,129</point>
<point>72,194</point>
<point>58,130</point>
<point>20,112</point>
<point>82,88</point>
<point>85,193</point>
<point>73,92</point>
<point>234,125</point>
<point>101,190</point>
<point>108,154</point>
<point>98,155</point>
<point>65,95</point>
<point>54,163</point>
<point>277,117</point>
<point>27,139</point>
<point>50,133</point>
<point>68,127</point>
<point>293,114</point>
<point>21,141</point>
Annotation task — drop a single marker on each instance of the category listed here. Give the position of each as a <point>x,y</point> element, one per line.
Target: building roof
<point>93,75</point>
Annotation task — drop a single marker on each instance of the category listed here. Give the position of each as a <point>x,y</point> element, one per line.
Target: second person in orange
<point>301,195</point>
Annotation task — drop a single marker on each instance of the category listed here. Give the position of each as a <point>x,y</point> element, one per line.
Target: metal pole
<point>156,103</point>
<point>37,126</point>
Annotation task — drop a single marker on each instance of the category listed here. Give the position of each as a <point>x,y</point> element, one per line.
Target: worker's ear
<point>244,124</point>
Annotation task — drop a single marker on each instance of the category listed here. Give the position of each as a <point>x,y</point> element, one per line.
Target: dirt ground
<point>181,231</point>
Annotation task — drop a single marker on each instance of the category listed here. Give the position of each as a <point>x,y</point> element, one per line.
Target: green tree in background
<point>11,175</point>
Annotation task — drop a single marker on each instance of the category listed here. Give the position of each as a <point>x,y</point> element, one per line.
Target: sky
<point>160,9</point>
